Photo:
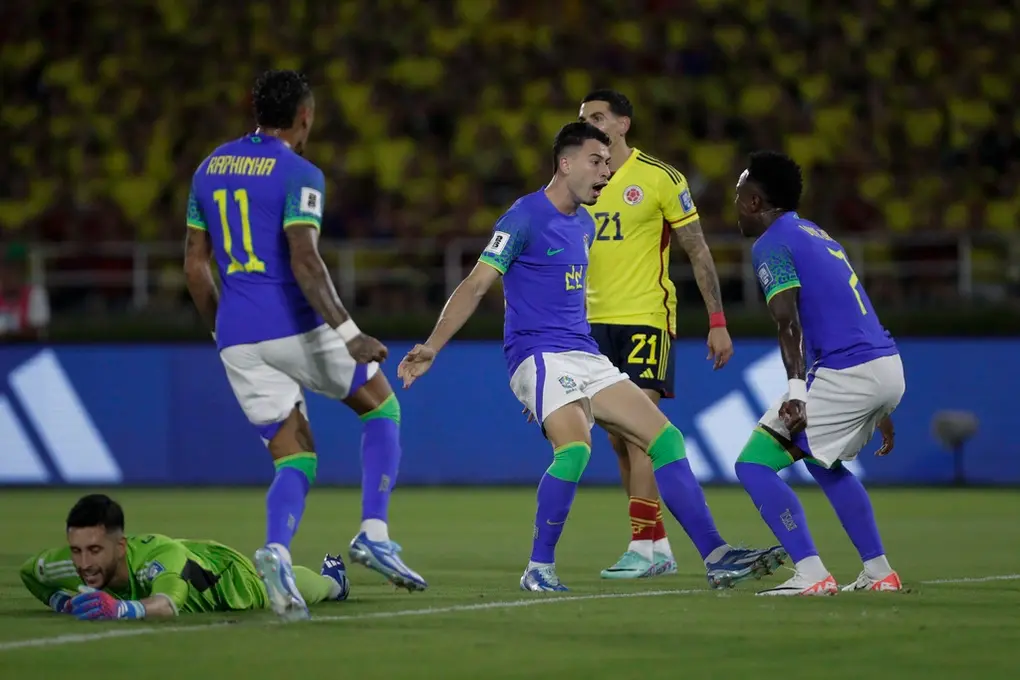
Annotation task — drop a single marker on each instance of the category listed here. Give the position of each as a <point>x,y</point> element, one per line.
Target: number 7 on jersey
<point>854,281</point>
<point>253,264</point>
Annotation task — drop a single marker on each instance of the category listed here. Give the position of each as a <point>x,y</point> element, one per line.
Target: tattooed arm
<point>692,239</point>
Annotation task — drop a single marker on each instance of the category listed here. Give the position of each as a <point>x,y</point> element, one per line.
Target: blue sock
<point>779,507</point>
<point>380,458</point>
<point>681,492</point>
<point>853,507</point>
<point>555,496</point>
<point>285,500</point>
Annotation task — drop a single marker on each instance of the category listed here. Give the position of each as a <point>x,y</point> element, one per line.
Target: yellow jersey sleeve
<point>675,198</point>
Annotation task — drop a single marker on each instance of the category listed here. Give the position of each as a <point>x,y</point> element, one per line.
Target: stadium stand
<point>433,116</point>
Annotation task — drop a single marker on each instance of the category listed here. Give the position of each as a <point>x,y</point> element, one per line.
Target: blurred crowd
<point>433,116</point>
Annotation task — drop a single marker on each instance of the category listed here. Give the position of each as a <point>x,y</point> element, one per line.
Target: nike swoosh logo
<point>550,522</point>
<point>552,252</point>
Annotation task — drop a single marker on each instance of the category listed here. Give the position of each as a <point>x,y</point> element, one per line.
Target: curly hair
<point>779,177</point>
<point>276,97</point>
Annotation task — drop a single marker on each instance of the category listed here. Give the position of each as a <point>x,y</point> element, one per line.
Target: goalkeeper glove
<point>97,605</point>
<point>60,602</point>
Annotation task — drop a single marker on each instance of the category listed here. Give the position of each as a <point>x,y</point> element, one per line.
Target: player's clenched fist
<point>794,415</point>
<point>366,349</point>
<point>414,365</point>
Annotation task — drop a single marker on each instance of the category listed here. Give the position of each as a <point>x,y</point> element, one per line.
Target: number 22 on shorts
<point>838,254</point>
<point>254,264</point>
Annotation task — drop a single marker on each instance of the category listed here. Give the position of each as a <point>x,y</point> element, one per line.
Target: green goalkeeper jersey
<point>197,576</point>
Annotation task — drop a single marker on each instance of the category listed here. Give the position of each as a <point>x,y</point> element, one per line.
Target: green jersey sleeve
<point>159,564</point>
<point>50,572</point>
<point>306,191</point>
<point>196,219</point>
<point>509,239</point>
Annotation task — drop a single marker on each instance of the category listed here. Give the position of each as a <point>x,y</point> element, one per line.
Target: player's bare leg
<point>378,408</point>
<point>624,409</point>
<point>291,445</point>
<point>568,430</point>
<point>649,552</point>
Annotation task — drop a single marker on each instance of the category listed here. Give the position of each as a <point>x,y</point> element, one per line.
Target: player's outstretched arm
<point>785,312</point>
<point>198,251</point>
<point>457,310</point>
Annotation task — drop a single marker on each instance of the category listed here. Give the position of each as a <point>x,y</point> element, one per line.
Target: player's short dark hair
<point>618,102</point>
<point>276,97</point>
<point>96,510</point>
<point>576,134</point>
<point>778,176</point>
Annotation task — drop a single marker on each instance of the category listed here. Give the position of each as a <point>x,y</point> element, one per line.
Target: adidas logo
<point>648,374</point>
<point>43,401</point>
<point>723,427</point>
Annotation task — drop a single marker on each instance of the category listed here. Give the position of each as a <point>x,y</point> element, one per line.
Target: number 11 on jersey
<point>254,264</point>
<point>838,254</point>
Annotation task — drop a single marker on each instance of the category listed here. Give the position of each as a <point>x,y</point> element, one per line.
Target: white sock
<point>877,568</point>
<point>718,553</point>
<point>536,565</point>
<point>812,568</point>
<point>643,548</point>
<point>281,550</point>
<point>376,530</point>
<point>661,546</point>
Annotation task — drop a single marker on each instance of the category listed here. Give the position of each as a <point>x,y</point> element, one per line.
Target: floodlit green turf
<point>472,546</point>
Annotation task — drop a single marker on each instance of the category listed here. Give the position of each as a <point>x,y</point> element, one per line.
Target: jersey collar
<point>634,151</point>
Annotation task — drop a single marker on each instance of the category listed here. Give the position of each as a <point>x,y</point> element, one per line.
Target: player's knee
<point>569,461</point>
<point>667,446</point>
<point>763,449</point>
<point>389,409</point>
<point>306,463</point>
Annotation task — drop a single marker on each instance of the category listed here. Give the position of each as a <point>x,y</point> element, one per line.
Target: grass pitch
<point>957,551</point>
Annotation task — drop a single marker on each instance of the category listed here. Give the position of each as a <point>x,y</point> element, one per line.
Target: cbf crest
<point>567,383</point>
<point>586,245</point>
<point>633,195</point>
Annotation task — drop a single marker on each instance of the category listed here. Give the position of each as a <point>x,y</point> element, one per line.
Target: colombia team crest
<point>633,195</point>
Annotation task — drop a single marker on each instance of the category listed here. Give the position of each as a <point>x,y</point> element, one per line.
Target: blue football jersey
<point>245,195</point>
<point>841,328</point>
<point>543,256</point>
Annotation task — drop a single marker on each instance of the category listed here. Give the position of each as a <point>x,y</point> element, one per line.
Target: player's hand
<point>95,605</point>
<point>720,347</point>
<point>60,602</point>
<point>885,426</point>
<point>529,414</point>
<point>365,349</point>
<point>793,413</point>
<point>414,365</point>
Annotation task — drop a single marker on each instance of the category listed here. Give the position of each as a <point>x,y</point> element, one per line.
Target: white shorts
<point>844,407</point>
<point>267,377</point>
<point>547,381</point>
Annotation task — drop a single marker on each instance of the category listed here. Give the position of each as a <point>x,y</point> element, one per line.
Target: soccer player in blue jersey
<point>540,248</point>
<point>830,411</point>
<point>256,208</point>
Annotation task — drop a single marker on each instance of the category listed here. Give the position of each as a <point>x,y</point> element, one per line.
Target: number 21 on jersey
<point>854,281</point>
<point>253,263</point>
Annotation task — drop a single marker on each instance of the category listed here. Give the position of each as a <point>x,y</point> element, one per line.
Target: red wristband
<point>717,320</point>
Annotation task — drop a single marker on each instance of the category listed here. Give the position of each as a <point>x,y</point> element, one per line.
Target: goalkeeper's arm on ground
<point>50,582</point>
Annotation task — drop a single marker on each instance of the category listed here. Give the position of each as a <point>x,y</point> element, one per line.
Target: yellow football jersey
<point>628,267</point>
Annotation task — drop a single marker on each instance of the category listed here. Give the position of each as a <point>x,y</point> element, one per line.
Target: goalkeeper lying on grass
<point>104,574</point>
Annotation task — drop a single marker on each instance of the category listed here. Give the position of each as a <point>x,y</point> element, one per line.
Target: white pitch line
<point>70,639</point>
<point>979,579</point>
